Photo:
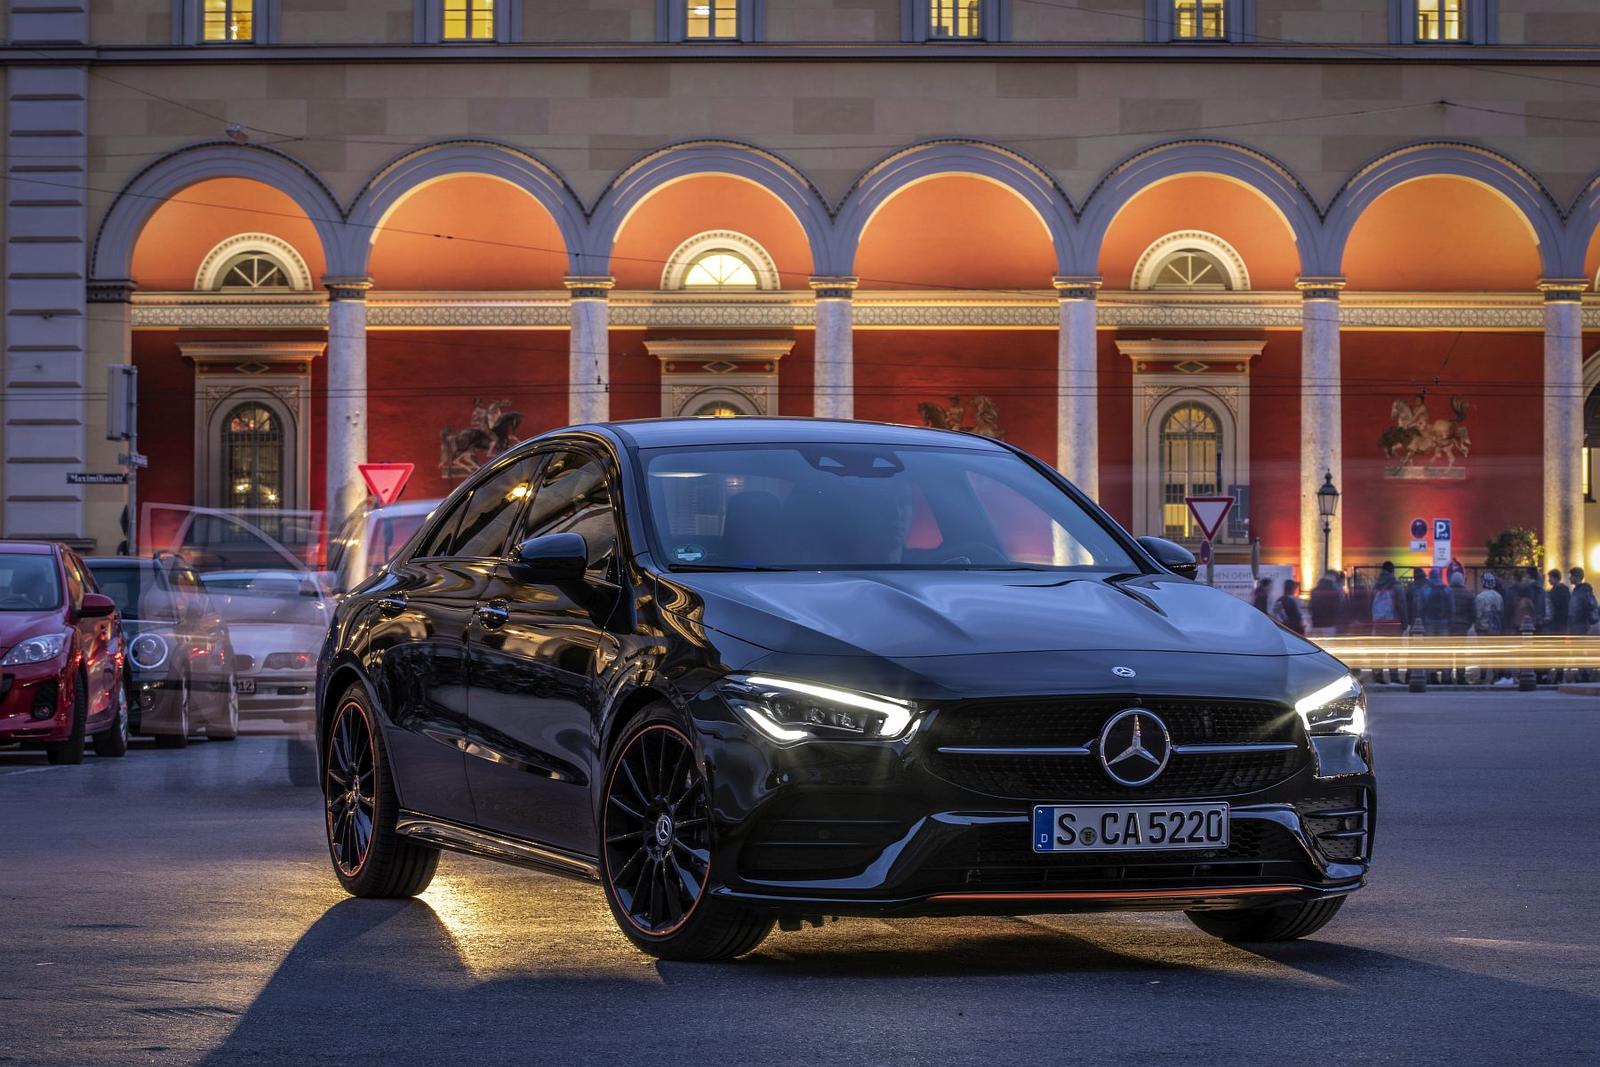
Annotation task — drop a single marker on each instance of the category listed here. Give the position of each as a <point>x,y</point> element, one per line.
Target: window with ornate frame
<point>935,21</point>
<point>1442,22</point>
<point>720,260</point>
<point>467,22</point>
<point>1199,20</point>
<point>225,22</point>
<point>253,262</point>
<point>253,450</point>
<point>1191,261</point>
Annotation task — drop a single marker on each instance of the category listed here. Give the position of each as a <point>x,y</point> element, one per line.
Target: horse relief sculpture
<point>492,431</point>
<point>1420,446</point>
<point>985,420</point>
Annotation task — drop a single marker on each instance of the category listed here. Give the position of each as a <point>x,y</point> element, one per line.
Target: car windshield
<point>29,582</point>
<point>281,597</point>
<point>854,506</point>
<point>136,590</point>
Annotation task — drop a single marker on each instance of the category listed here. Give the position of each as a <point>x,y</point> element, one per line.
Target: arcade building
<point>1174,247</point>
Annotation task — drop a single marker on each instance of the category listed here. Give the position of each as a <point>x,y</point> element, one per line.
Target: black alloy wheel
<point>352,805</point>
<point>370,856</point>
<point>656,826</point>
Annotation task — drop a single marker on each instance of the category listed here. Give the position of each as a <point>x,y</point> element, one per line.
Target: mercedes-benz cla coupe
<point>754,671</point>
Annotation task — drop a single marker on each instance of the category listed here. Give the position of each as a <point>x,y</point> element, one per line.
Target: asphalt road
<point>176,907</point>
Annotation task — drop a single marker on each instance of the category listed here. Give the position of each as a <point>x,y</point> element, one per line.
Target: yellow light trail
<point>1506,652</point>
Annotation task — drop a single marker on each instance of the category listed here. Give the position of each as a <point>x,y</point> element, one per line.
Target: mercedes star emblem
<point>1124,672</point>
<point>1135,747</point>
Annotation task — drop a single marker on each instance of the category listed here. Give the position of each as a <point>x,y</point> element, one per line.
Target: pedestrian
<point>1489,608</point>
<point>1436,604</point>
<point>1583,612</point>
<point>1522,602</point>
<point>1390,615</point>
<point>1286,609</point>
<point>1415,595</point>
<point>1356,611</point>
<point>1462,606</point>
<point>1557,604</point>
<point>1325,605</point>
<point>1262,597</point>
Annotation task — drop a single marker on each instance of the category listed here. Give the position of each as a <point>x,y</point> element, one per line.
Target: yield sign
<point>386,480</point>
<point>1209,511</point>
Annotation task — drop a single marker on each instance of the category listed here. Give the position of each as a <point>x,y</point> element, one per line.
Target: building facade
<point>1175,247</point>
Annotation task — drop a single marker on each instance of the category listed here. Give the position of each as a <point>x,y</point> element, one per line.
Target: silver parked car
<point>278,619</point>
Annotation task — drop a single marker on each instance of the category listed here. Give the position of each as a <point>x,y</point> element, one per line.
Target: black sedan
<point>746,672</point>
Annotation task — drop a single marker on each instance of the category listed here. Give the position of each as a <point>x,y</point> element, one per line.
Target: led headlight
<point>786,710</point>
<point>148,651</point>
<point>1339,707</point>
<point>41,648</point>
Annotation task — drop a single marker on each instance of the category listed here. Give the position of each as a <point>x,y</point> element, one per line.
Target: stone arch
<point>1583,234</point>
<point>170,175</point>
<point>1500,175</point>
<point>415,170</point>
<point>884,180</point>
<point>1254,170</point>
<point>661,168</point>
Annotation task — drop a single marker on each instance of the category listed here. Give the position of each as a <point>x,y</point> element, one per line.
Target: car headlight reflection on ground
<point>788,711</point>
<point>1340,707</point>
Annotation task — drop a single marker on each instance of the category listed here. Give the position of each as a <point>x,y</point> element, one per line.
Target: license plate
<point>1128,827</point>
<point>244,685</point>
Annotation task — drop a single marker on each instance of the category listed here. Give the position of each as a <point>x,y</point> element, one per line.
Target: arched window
<point>720,269</point>
<point>718,409</point>
<point>1193,270</point>
<point>1191,465</point>
<point>252,457</point>
<point>253,271</point>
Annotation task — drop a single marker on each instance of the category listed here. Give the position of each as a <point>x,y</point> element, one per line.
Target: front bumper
<point>278,694</point>
<point>35,685</point>
<point>824,827</point>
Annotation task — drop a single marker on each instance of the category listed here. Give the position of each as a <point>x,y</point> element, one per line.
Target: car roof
<point>658,433</point>
<point>28,548</point>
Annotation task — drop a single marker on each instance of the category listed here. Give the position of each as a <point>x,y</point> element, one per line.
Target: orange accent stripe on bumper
<point>1126,894</point>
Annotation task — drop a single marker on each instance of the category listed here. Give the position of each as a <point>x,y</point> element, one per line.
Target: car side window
<point>75,586</point>
<point>574,496</point>
<point>493,509</point>
<point>443,534</point>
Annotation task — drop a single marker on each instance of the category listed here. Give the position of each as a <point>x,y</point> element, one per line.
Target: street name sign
<point>97,478</point>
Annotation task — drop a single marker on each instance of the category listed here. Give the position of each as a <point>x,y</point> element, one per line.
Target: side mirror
<point>97,606</point>
<point>1174,557</point>
<point>559,557</point>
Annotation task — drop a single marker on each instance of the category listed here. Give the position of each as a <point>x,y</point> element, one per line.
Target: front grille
<point>1339,824</point>
<point>1001,856</point>
<point>1077,722</point>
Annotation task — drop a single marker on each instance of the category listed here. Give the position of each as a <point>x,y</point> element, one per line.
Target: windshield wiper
<point>713,568</point>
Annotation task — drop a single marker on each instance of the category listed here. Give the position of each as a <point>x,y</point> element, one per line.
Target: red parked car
<point>61,655</point>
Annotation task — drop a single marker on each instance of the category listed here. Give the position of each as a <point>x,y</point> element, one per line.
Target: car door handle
<point>391,605</point>
<point>492,614</point>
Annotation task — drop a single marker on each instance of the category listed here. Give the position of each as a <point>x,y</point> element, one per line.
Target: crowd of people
<point>1436,602</point>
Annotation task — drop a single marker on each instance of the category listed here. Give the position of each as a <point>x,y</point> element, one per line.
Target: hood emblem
<point>1134,747</point>
<point>1124,672</point>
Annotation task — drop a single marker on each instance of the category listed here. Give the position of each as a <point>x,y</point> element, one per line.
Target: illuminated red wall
<point>1501,376</point>
<point>896,370</point>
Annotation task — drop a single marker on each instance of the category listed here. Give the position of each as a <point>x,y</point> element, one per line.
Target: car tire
<point>656,831</point>
<point>70,751</point>
<point>229,730</point>
<point>1283,923</point>
<point>181,738</point>
<point>113,740</point>
<point>378,862</point>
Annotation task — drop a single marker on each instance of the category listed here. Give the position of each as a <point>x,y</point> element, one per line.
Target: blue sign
<point>1441,529</point>
<point>1419,529</point>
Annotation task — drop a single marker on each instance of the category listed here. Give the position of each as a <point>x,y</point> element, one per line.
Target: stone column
<point>834,385</point>
<point>1563,421</point>
<point>1321,439</point>
<point>1078,383</point>
<point>589,348</point>
<point>110,341</point>
<point>347,395</point>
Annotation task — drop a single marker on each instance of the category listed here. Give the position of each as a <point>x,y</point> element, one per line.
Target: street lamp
<point>1327,507</point>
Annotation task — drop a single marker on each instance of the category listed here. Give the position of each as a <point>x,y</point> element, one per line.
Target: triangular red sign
<point>386,480</point>
<point>1208,512</point>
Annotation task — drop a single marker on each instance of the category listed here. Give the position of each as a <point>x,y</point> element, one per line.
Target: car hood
<point>914,614</point>
<point>18,626</point>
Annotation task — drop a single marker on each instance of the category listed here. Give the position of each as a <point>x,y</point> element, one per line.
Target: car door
<point>95,638</point>
<point>416,639</point>
<point>533,651</point>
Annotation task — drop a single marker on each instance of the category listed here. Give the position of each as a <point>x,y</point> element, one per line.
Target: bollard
<point>1416,680</point>
<point>1527,680</point>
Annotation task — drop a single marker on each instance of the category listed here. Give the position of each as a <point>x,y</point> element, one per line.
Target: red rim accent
<point>605,821</point>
